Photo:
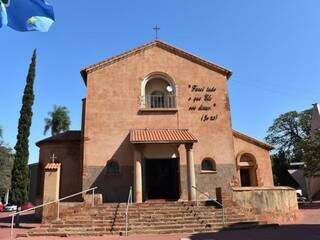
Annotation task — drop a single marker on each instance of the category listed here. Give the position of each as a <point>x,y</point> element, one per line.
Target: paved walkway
<point>27,220</point>
<point>307,227</point>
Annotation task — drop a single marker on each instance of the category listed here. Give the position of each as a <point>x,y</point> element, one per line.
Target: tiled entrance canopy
<point>161,136</point>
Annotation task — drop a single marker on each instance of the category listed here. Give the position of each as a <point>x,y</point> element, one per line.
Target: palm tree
<point>58,120</point>
<point>1,132</point>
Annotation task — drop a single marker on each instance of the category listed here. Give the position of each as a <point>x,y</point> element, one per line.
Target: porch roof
<point>52,166</point>
<point>161,136</point>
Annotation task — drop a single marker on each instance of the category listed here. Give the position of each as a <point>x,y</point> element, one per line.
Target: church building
<point>156,118</point>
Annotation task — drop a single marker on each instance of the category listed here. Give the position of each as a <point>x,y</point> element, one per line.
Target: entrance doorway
<point>162,179</point>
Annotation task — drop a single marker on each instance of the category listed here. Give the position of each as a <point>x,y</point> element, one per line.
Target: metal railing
<point>210,199</point>
<point>158,101</point>
<point>48,203</point>
<point>129,202</point>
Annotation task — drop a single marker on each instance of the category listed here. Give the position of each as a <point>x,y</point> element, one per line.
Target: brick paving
<point>306,227</point>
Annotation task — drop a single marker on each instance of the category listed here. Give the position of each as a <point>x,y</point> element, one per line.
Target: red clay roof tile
<point>52,166</point>
<point>161,136</point>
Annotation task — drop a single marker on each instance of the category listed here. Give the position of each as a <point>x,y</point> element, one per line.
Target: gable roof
<point>179,52</point>
<point>252,140</point>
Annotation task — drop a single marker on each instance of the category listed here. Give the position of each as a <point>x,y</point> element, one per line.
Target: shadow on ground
<point>283,232</point>
<point>28,219</point>
<point>307,205</point>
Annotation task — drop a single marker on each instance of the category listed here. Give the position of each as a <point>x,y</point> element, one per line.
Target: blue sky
<point>271,46</point>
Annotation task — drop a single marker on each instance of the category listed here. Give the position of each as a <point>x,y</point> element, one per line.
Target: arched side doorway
<point>247,166</point>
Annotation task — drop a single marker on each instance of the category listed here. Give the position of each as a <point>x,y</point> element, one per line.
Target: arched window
<point>113,167</point>
<point>247,159</point>
<point>158,90</point>
<point>208,164</point>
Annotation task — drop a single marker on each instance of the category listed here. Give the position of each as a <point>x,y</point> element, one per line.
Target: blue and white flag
<point>26,15</point>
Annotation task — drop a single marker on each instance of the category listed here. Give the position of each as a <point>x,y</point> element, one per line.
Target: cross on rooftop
<point>53,158</point>
<point>156,29</point>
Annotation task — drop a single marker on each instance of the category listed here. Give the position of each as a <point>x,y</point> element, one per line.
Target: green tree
<point>287,131</point>
<point>280,167</point>
<point>6,164</point>
<point>310,149</point>
<point>286,134</point>
<point>19,183</point>
<point>58,120</point>
<point>1,136</point>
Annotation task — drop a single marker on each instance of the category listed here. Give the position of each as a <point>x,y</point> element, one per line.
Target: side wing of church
<point>158,119</point>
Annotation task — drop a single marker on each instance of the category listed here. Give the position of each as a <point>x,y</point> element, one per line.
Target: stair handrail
<point>210,199</point>
<point>129,202</point>
<point>48,203</point>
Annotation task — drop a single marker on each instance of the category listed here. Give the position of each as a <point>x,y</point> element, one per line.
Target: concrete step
<point>136,225</point>
<point>81,232</point>
<point>64,234</point>
<point>153,218</point>
<point>158,229</point>
<point>149,213</point>
<point>143,206</point>
<point>209,210</point>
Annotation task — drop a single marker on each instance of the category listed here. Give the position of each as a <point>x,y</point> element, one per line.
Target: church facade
<point>157,119</point>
